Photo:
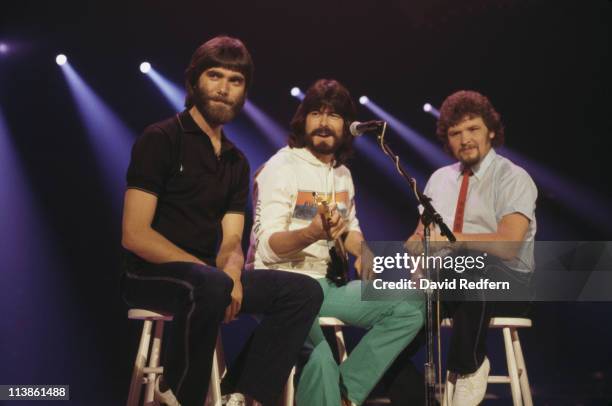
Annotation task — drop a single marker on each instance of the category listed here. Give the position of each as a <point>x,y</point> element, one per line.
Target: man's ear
<point>491,135</point>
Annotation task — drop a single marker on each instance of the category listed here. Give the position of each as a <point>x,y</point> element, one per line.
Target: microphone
<point>358,128</point>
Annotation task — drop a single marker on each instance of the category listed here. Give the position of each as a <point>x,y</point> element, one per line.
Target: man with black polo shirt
<point>186,182</point>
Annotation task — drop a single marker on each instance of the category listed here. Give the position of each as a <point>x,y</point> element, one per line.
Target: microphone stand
<point>429,216</point>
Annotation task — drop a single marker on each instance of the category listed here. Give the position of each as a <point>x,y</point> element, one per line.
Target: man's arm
<point>230,258</point>
<point>511,228</point>
<point>353,241</point>
<point>286,243</point>
<point>353,244</point>
<point>140,238</point>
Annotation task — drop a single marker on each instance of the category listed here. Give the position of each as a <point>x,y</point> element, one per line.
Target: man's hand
<point>358,265</point>
<point>234,307</point>
<point>337,227</point>
<point>414,244</point>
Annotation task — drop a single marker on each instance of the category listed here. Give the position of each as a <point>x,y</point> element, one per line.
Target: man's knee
<point>214,289</point>
<point>412,314</point>
<point>309,290</point>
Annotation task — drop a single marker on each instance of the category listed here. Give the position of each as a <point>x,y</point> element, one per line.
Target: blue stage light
<point>145,67</point>
<point>61,59</point>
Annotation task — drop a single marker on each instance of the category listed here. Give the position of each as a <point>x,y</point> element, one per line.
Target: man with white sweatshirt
<point>289,235</point>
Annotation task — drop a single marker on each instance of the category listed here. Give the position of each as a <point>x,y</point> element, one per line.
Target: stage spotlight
<point>145,67</point>
<point>428,108</point>
<point>61,59</point>
<point>297,93</point>
<point>273,131</point>
<point>3,48</point>
<point>432,152</point>
<point>110,139</point>
<point>364,100</point>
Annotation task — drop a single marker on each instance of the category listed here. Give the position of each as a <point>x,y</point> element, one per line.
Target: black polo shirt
<point>175,161</point>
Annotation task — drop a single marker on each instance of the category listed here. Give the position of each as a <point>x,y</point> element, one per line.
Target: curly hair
<point>223,52</point>
<point>471,104</point>
<point>333,95</point>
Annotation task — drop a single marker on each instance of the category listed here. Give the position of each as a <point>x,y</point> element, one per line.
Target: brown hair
<point>222,51</point>
<point>333,95</point>
<point>471,104</point>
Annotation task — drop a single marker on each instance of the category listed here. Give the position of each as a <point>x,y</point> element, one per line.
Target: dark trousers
<point>472,313</point>
<point>198,295</point>
<point>404,382</point>
<point>470,328</point>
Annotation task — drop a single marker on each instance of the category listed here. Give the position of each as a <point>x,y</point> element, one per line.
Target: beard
<point>469,160</point>
<point>218,113</point>
<point>323,147</point>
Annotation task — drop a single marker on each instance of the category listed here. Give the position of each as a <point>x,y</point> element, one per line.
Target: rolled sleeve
<point>276,189</point>
<point>518,194</point>
<point>353,222</point>
<point>238,200</point>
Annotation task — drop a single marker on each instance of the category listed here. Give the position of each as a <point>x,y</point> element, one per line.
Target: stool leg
<point>139,363</point>
<point>512,369</point>
<point>154,360</point>
<point>520,361</point>
<point>449,390</point>
<point>214,391</point>
<point>340,343</point>
<point>289,396</point>
<point>341,346</point>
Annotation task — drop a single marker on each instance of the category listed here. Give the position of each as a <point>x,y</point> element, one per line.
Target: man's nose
<point>223,89</point>
<point>323,119</point>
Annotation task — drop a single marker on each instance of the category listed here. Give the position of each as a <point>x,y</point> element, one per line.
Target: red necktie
<point>458,224</point>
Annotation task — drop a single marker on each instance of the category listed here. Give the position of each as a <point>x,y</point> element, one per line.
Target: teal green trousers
<point>391,326</point>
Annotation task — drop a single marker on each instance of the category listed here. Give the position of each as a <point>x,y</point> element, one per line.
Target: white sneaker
<point>233,399</point>
<point>470,389</point>
<point>165,398</point>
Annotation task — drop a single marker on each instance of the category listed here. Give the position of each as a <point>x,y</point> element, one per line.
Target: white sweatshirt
<point>283,201</point>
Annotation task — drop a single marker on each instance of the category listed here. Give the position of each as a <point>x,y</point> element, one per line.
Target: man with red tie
<point>490,203</point>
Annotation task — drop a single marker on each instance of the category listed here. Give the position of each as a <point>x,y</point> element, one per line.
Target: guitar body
<point>337,269</point>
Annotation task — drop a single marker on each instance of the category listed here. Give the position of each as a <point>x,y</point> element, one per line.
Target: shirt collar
<point>191,127</point>
<point>480,169</point>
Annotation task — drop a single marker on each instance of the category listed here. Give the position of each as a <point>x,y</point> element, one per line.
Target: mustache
<point>323,131</point>
<point>221,100</point>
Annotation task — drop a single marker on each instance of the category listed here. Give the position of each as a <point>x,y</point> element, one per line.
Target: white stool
<point>218,371</point>
<point>143,375</point>
<point>337,325</point>
<point>517,370</point>
<point>289,396</point>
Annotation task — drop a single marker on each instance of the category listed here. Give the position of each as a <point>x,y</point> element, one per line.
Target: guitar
<point>337,269</point>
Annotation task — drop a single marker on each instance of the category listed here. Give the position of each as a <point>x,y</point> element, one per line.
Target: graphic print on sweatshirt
<point>306,207</point>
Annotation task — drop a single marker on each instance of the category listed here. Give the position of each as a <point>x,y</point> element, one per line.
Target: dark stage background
<point>542,63</point>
